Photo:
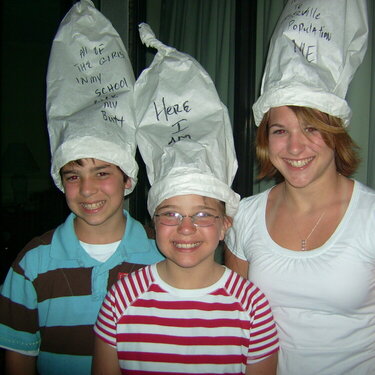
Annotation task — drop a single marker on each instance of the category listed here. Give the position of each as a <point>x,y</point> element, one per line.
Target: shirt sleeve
<point>263,332</point>
<point>105,326</point>
<point>19,322</point>
<point>233,238</point>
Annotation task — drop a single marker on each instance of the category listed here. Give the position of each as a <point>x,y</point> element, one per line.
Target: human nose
<point>186,225</point>
<point>296,142</point>
<point>87,187</point>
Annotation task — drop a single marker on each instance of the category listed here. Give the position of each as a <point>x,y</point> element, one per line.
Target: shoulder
<point>250,210</point>
<point>364,200</point>
<point>365,190</point>
<point>129,288</point>
<point>38,250</point>
<point>139,242</point>
<point>255,199</point>
<point>246,293</point>
<point>135,229</point>
<point>38,243</point>
<point>254,202</point>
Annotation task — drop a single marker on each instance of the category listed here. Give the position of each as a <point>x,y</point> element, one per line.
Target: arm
<point>236,264</point>
<point>19,364</point>
<point>265,367</point>
<point>105,360</point>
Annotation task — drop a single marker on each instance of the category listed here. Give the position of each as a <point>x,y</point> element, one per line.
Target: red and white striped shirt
<point>159,329</point>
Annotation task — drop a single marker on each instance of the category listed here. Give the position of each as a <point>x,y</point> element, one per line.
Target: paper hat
<point>183,129</point>
<point>314,52</point>
<point>90,85</point>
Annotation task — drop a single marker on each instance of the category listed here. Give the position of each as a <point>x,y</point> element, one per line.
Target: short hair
<point>80,163</point>
<point>333,133</point>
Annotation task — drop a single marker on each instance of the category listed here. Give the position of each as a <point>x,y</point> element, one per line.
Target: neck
<point>109,232</point>
<point>315,196</point>
<point>197,277</point>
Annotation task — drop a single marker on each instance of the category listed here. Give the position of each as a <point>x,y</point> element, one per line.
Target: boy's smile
<point>93,206</point>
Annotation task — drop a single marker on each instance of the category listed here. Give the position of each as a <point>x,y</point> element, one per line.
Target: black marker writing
<point>83,67</point>
<point>90,80</point>
<point>113,119</point>
<point>307,12</point>
<point>178,125</point>
<point>112,87</point>
<point>307,51</point>
<point>83,52</point>
<point>109,104</point>
<point>99,50</point>
<point>110,57</point>
<point>179,138</point>
<point>309,28</point>
<point>168,111</point>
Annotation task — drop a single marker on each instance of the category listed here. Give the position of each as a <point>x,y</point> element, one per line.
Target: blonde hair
<point>333,133</point>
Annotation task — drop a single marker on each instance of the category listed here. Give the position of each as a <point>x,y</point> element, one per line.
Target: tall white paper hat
<point>314,52</point>
<point>90,85</point>
<point>183,129</point>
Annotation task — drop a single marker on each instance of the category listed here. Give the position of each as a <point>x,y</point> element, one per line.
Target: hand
<point>19,364</point>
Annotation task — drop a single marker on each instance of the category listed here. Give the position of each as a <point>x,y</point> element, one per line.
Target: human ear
<point>128,183</point>
<point>227,223</point>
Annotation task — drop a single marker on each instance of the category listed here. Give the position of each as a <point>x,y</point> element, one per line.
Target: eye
<point>310,129</point>
<point>277,131</point>
<point>103,174</point>
<point>204,219</point>
<point>170,214</point>
<point>202,214</point>
<point>71,178</point>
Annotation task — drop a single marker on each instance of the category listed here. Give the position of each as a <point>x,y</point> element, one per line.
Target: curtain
<point>371,138</point>
<point>268,12</point>
<point>203,29</point>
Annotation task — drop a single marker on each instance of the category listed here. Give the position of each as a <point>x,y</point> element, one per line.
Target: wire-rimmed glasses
<point>200,219</point>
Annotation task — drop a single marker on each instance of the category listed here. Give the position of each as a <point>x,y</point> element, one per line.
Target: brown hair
<point>333,133</point>
<point>80,163</point>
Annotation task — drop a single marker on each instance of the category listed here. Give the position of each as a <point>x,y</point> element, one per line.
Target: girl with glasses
<point>186,314</point>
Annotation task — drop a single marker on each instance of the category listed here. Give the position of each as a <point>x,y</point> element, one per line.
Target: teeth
<point>186,245</point>
<point>298,163</point>
<point>92,206</point>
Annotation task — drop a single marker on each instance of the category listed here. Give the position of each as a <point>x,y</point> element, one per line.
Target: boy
<point>186,314</point>
<point>53,292</point>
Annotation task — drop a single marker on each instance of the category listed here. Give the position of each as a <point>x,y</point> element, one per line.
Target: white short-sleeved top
<point>323,300</point>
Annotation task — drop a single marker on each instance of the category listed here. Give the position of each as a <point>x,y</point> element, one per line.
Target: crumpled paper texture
<point>183,129</point>
<point>90,83</point>
<point>314,52</point>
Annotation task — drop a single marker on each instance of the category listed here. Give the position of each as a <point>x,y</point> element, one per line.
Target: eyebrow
<point>276,124</point>
<point>173,207</point>
<point>94,169</point>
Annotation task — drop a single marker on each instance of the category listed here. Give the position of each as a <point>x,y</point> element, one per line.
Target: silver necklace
<point>304,241</point>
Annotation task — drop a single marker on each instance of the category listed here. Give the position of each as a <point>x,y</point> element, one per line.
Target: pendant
<point>303,245</point>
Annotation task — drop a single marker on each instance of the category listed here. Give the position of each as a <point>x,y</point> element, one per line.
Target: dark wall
<point>31,204</point>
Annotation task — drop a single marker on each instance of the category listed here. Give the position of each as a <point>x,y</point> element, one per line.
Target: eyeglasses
<point>200,219</point>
